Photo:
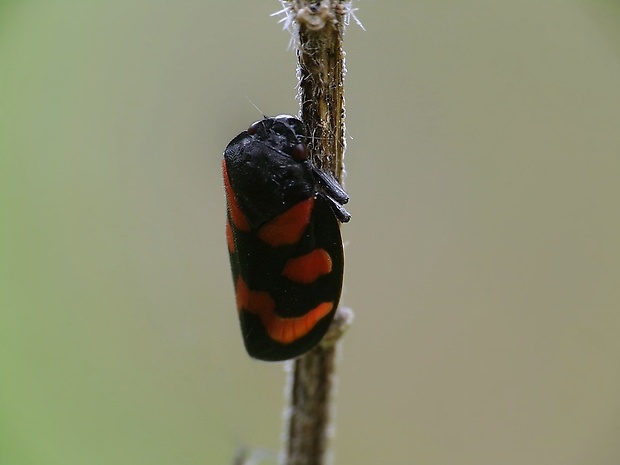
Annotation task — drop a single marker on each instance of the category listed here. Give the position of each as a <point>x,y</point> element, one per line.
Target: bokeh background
<point>483,258</point>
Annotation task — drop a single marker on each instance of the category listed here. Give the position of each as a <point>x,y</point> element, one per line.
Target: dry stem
<point>317,28</point>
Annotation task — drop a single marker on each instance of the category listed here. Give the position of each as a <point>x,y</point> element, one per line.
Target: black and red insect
<point>283,234</point>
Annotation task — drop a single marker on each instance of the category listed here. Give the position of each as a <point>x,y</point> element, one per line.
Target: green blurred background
<point>483,258</point>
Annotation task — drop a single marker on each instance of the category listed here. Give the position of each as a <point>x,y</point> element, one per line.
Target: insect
<point>283,234</point>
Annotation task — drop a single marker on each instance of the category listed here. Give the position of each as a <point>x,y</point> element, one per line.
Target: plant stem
<point>318,27</point>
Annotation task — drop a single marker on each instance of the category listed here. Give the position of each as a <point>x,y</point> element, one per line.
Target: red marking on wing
<point>287,228</point>
<point>229,238</point>
<point>283,330</point>
<point>256,302</point>
<point>308,268</point>
<point>236,215</point>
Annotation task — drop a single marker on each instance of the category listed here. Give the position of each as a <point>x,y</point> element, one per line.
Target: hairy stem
<point>318,28</point>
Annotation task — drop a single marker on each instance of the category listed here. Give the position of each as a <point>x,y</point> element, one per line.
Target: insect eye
<point>253,128</point>
<point>300,152</point>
